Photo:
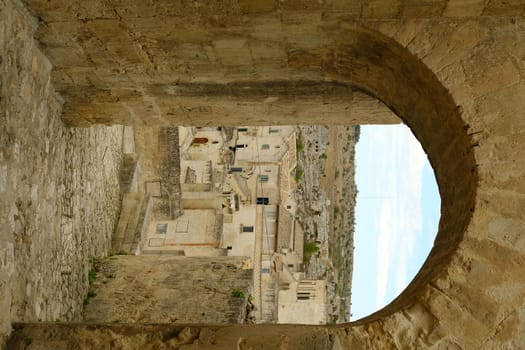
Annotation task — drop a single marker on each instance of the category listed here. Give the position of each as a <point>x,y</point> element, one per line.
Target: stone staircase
<point>133,223</point>
<point>129,173</point>
<point>135,211</point>
<point>136,208</point>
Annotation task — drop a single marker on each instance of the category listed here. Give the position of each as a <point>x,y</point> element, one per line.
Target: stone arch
<point>444,307</point>
<point>384,69</point>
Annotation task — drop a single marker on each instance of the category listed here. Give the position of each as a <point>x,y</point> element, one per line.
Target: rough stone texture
<point>452,70</point>
<point>160,169</point>
<point>169,337</point>
<point>170,171</point>
<point>122,63</point>
<point>170,289</point>
<point>59,193</point>
<point>325,208</point>
<point>129,173</point>
<point>131,230</point>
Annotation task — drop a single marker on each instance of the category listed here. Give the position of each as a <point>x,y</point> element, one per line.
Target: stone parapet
<point>171,289</point>
<point>131,230</point>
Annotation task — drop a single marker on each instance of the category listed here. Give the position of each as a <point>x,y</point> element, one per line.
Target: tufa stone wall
<point>170,170</point>
<point>158,149</point>
<point>169,289</point>
<point>59,193</point>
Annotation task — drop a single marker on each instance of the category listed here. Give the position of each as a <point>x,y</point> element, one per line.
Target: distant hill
<point>326,194</point>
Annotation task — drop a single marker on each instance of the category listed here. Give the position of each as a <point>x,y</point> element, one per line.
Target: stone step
<point>129,173</point>
<point>163,252</point>
<point>134,219</point>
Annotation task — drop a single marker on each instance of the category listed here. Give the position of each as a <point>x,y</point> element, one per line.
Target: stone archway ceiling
<point>118,63</point>
<point>453,71</point>
<point>137,63</point>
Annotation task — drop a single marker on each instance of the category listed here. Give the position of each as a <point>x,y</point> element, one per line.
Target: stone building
<point>303,301</point>
<point>453,71</point>
<point>197,231</point>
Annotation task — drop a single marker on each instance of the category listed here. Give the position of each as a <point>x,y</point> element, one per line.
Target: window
<point>200,140</point>
<point>263,178</point>
<point>263,200</point>
<point>265,146</point>
<point>236,170</point>
<point>162,229</point>
<point>242,129</point>
<point>247,228</point>
<point>272,130</point>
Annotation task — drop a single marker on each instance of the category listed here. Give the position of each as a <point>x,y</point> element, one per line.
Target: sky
<point>397,215</point>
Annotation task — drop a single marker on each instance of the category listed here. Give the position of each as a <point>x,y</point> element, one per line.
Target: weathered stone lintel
<point>250,102</point>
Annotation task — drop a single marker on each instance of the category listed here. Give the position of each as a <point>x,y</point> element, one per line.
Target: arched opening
<point>390,73</point>
<point>237,185</point>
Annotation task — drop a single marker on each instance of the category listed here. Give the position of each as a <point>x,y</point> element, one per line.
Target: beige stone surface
<point>59,189</point>
<point>128,67</point>
<point>169,289</point>
<point>159,169</point>
<point>452,70</point>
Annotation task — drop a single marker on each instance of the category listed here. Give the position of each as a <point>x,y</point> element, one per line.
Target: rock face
<point>326,201</point>
<point>452,70</point>
<point>169,289</point>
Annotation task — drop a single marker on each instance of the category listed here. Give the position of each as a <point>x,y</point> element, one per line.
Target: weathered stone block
<point>248,6</point>
<point>165,289</point>
<point>464,8</point>
<point>381,9</point>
